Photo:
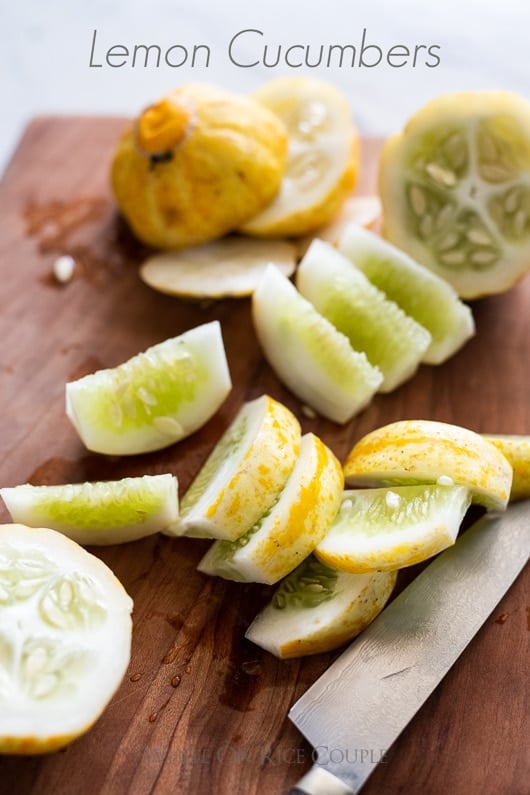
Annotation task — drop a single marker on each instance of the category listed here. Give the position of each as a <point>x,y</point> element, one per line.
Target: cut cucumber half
<point>291,528</point>
<point>65,639</point>
<point>392,341</point>
<point>317,609</point>
<point>243,474</point>
<point>412,452</point>
<point>109,512</point>
<point>154,399</point>
<point>387,529</point>
<point>232,266</point>
<point>419,292</point>
<point>313,359</point>
<point>516,449</point>
<point>455,187</point>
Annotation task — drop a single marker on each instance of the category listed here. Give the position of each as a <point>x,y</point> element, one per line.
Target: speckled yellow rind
<point>517,450</point>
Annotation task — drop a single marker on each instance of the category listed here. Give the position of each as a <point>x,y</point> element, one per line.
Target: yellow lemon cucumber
<point>517,450</point>
<point>323,158</point>
<point>426,451</point>
<point>243,474</point>
<point>455,187</point>
<point>65,639</point>
<point>291,527</point>
<point>196,165</point>
<point>318,608</point>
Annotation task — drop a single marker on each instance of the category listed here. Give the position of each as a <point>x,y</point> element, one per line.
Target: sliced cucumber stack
<point>291,528</point>
<point>318,608</point>
<point>422,294</point>
<point>110,512</point>
<point>153,399</point>
<point>313,359</point>
<point>386,529</point>
<point>392,341</point>
<point>243,474</point>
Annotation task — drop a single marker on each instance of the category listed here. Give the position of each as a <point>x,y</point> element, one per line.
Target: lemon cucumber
<point>317,608</point>
<point>517,451</point>
<point>291,528</point>
<point>108,512</point>
<point>232,266</point>
<point>154,399</point>
<point>243,474</point>
<point>425,451</point>
<point>455,187</point>
<point>392,341</point>
<point>423,295</point>
<point>65,639</point>
<point>386,529</point>
<point>313,359</point>
<point>322,160</point>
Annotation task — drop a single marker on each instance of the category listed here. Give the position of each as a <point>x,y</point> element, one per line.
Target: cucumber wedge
<point>291,528</point>
<point>154,399</point>
<point>516,449</point>
<point>392,341</point>
<point>317,608</point>
<point>110,512</point>
<point>313,359</point>
<point>386,529</point>
<point>244,473</point>
<point>419,292</point>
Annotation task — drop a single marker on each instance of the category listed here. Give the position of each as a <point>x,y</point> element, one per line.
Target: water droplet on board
<point>135,677</point>
<point>175,682</point>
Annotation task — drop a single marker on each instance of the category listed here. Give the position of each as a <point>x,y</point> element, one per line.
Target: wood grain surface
<point>201,710</point>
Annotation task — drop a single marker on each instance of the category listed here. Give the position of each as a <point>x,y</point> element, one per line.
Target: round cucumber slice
<point>65,639</point>
<point>292,526</point>
<point>456,192</point>
<point>387,529</point>
<point>425,451</point>
<point>154,399</point>
<point>419,292</point>
<point>318,608</point>
<point>109,512</point>
<point>392,341</point>
<point>313,359</point>
<point>243,474</point>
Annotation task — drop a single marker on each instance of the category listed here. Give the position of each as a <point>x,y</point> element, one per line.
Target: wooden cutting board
<point>201,710</point>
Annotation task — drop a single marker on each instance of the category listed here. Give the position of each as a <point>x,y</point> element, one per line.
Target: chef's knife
<point>359,706</point>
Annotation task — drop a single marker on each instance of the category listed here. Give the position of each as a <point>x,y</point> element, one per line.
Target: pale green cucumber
<point>314,360</point>
<point>391,340</point>
<point>423,295</point>
<point>386,529</point>
<point>318,608</point>
<point>106,512</point>
<point>154,399</point>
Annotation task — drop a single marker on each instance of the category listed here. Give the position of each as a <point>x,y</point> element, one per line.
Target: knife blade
<point>353,713</point>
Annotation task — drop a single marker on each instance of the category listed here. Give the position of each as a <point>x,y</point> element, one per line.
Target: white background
<point>45,51</point>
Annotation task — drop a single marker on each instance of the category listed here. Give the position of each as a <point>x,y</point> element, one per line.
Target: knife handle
<point>319,781</point>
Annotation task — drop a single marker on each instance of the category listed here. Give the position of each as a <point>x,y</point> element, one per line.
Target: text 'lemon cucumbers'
<point>314,360</point>
<point>422,294</point>
<point>455,187</point>
<point>154,399</point>
<point>391,340</point>
<point>243,474</point>
<point>291,528</point>
<point>322,160</point>
<point>317,608</point>
<point>65,639</point>
<point>108,512</point>
<point>425,451</point>
<point>386,529</point>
